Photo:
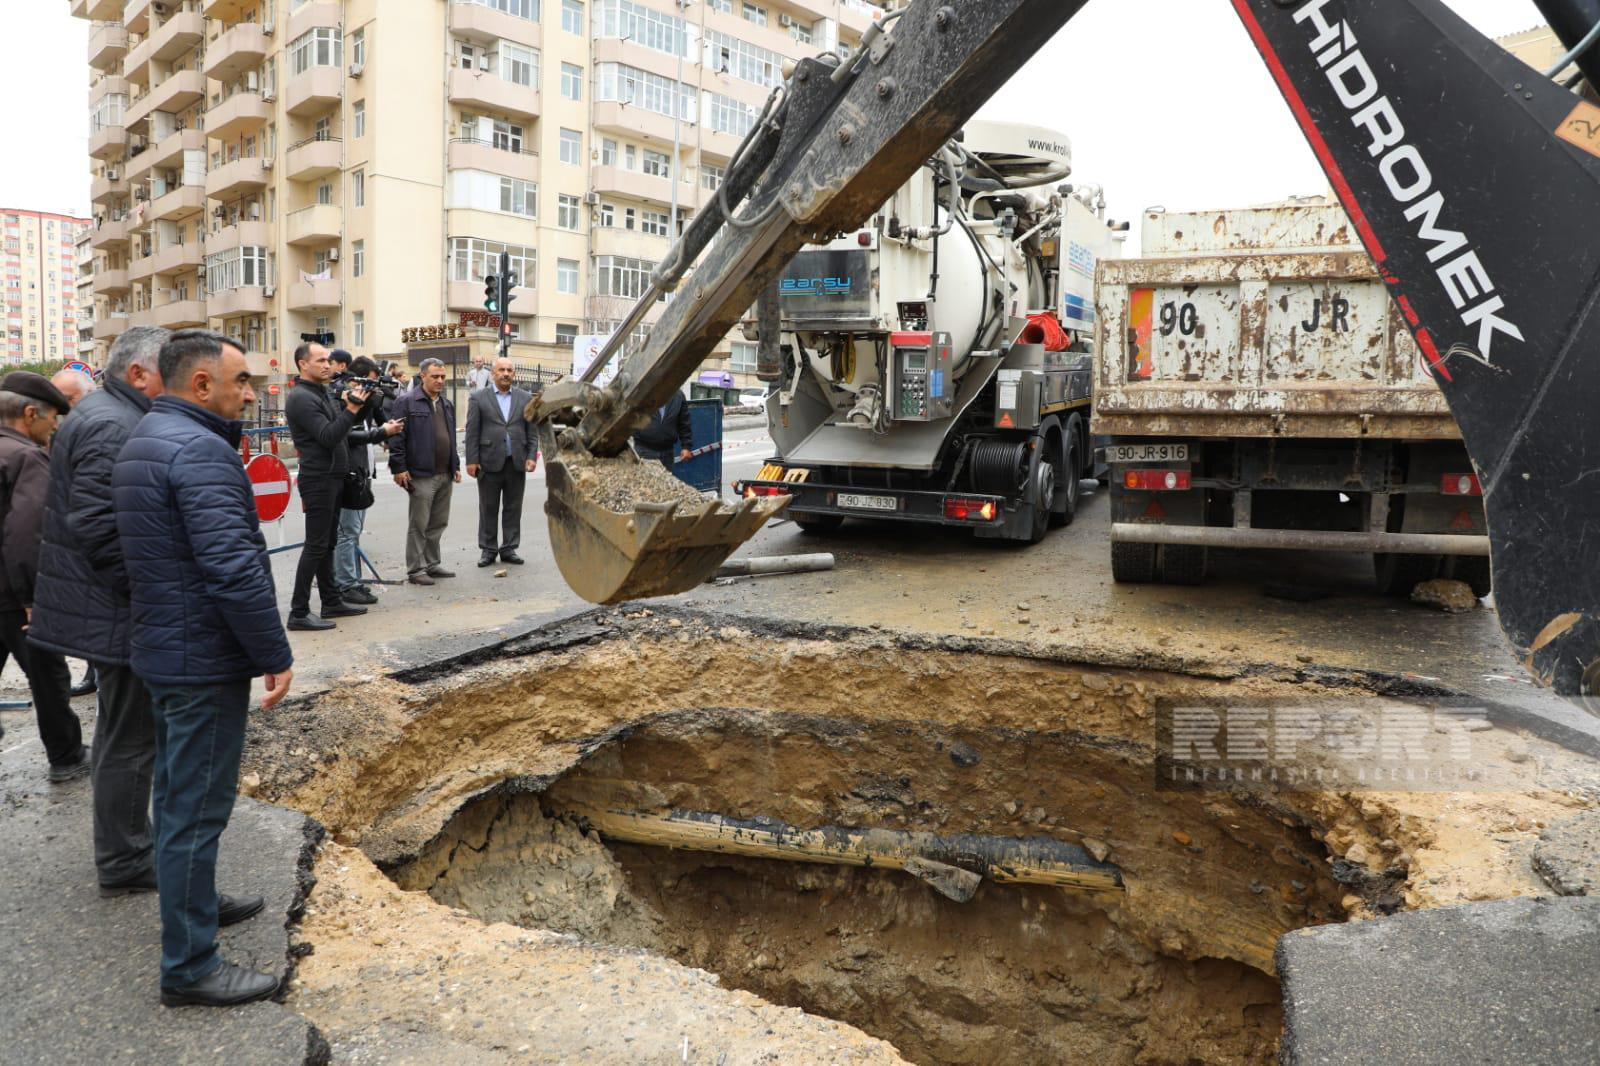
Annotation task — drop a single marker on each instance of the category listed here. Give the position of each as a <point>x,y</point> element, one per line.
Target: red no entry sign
<point>270,480</point>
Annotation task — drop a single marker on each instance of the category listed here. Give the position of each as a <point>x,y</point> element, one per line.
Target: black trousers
<point>49,681</point>
<point>320,495</point>
<point>500,507</point>
<point>122,767</point>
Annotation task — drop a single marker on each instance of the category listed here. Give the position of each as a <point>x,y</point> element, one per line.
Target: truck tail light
<point>753,491</point>
<point>1460,485</point>
<point>1156,480</point>
<point>965,510</point>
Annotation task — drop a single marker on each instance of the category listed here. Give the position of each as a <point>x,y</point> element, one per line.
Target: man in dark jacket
<point>502,450</point>
<point>426,463</point>
<point>372,428</point>
<point>320,424</point>
<point>204,623</point>
<point>29,409</point>
<point>81,605</point>
<point>669,437</point>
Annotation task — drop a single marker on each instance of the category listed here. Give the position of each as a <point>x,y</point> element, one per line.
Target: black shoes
<point>440,571</point>
<point>358,594</point>
<point>511,557</point>
<point>486,559</point>
<point>226,986</point>
<point>309,623</point>
<point>70,771</point>
<point>87,687</point>
<point>343,610</point>
<point>231,910</point>
<point>137,886</point>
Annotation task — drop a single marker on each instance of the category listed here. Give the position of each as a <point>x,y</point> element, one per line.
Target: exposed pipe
<point>1218,537</point>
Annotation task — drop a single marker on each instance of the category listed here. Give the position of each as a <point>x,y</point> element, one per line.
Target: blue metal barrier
<point>704,471</point>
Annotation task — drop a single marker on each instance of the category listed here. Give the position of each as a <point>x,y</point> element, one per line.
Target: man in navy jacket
<point>204,623</point>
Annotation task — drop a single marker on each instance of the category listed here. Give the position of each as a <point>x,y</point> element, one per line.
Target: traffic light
<point>491,294</point>
<point>508,281</point>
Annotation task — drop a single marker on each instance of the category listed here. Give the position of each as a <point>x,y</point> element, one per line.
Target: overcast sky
<point>1165,102</point>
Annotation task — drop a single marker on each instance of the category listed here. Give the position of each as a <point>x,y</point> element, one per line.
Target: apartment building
<point>281,167</point>
<point>85,289</point>
<point>39,297</point>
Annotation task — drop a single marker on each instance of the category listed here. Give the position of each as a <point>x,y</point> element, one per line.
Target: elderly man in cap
<point>82,604</point>
<point>29,409</point>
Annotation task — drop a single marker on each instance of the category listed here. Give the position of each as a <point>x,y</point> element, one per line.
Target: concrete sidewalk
<point>81,972</point>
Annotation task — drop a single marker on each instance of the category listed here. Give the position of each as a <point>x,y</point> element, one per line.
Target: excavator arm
<point>1470,177</point>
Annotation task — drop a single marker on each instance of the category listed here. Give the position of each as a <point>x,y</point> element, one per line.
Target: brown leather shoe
<point>420,578</point>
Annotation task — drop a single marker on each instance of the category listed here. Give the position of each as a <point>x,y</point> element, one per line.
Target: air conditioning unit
<point>592,199</point>
<point>271,291</point>
<point>159,8</point>
<point>785,21</point>
<point>333,255</point>
<point>266,164</point>
<point>200,271</point>
<point>356,69</point>
<point>112,175</point>
<point>219,212</point>
<point>269,27</point>
<point>269,96</point>
<point>483,62</point>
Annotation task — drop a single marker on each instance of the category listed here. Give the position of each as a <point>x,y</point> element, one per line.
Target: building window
<point>654,223</point>
<point>572,147</point>
<point>467,55</point>
<point>236,268</point>
<point>325,193</point>
<point>518,197</point>
<point>321,47</point>
<point>711,176</point>
<point>519,65</point>
<point>358,48</point>
<point>572,16</point>
<point>358,259</point>
<point>571,81</point>
<point>358,116</point>
<point>608,215</point>
<point>743,360</point>
<point>358,328</point>
<point>472,259</point>
<point>724,6</point>
<point>567,276</point>
<point>755,13</point>
<point>322,130</point>
<point>644,26</point>
<point>522,9</point>
<point>727,115</point>
<point>621,83</point>
<point>566,333</point>
<point>358,188</point>
<point>477,190</point>
<point>800,32</point>
<point>730,55</point>
<point>657,164</point>
<point>567,211</point>
<point>620,276</point>
<point>608,152</point>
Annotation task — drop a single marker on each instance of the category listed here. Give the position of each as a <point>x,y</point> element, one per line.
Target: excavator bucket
<point>624,530</point>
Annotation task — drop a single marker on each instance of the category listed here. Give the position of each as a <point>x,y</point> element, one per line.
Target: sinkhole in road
<point>805,819</point>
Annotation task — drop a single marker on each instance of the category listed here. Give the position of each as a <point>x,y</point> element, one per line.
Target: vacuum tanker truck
<point>935,366</point>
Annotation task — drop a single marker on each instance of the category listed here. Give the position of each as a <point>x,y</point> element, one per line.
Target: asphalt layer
<point>1507,982</point>
<point>82,973</point>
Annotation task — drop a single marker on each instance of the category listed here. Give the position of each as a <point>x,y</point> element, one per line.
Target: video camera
<point>344,381</point>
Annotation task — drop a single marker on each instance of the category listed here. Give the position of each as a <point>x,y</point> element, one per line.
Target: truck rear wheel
<point>1041,498</point>
<point>1472,569</point>
<point>1183,564</point>
<point>818,524</point>
<point>1133,564</point>
<point>1398,573</point>
<point>1067,492</point>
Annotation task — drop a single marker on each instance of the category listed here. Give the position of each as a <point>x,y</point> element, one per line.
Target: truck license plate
<point>869,503</point>
<point>1147,453</point>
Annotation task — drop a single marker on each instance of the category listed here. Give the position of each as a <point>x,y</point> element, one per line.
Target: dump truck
<point>935,366</point>
<point>1258,389</point>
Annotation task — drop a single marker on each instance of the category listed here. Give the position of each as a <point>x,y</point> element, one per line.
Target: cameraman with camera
<point>372,428</point>
<point>320,422</point>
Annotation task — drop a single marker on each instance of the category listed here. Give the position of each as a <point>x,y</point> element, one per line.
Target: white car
<point>753,398</point>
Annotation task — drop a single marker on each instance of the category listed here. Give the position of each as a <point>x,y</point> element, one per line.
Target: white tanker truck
<point>935,367</point>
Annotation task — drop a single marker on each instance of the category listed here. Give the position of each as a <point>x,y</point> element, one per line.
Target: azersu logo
<point>816,287</point>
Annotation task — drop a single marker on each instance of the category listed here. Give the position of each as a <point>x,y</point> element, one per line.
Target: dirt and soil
<point>445,784</point>
<point>620,483</point>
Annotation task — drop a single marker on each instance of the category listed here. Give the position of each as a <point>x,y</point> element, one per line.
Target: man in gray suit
<point>502,451</point>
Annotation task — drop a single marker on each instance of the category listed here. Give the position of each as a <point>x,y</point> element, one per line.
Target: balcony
<point>636,122</point>
<point>317,295</point>
<point>167,153</point>
<point>318,89</point>
<point>244,300</point>
<point>856,16</point>
<point>468,296</point>
<point>181,90</point>
<point>641,186</point>
<point>107,45</point>
<point>613,240</point>
<point>177,258</point>
<point>310,16</point>
<point>239,114</point>
<point>136,16</point>
<point>469,154</point>
<point>110,282</point>
<point>106,85</point>
<point>314,158</point>
<point>226,10</point>
<point>104,190</point>
<point>235,51</point>
<point>239,235</point>
<point>142,269</point>
<point>812,10</point>
<point>109,234</point>
<point>179,34</point>
<point>317,224</point>
<point>238,178</point>
<point>183,202</point>
<point>177,314</point>
<point>110,326</point>
<point>485,91</point>
<point>479,23</point>
<point>109,142</point>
